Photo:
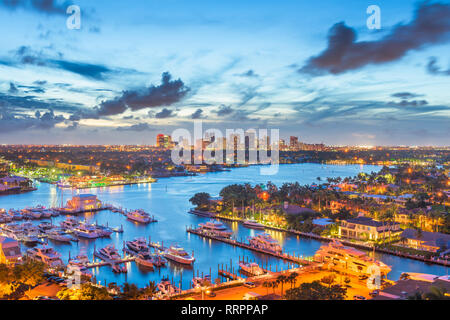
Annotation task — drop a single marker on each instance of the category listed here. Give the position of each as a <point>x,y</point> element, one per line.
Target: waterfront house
<point>423,240</point>
<point>405,288</point>
<point>365,228</point>
<point>9,251</point>
<point>84,202</point>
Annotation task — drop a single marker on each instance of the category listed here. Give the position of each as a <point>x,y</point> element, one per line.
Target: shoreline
<point>325,239</point>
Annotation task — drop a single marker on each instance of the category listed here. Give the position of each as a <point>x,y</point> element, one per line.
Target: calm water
<point>168,201</point>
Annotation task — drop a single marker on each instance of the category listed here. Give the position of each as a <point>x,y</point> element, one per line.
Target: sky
<point>311,69</point>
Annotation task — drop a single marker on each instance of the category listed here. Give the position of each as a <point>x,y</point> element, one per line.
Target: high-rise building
<point>293,142</point>
<point>164,141</point>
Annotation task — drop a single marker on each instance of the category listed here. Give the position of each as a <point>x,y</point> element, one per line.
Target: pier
<point>285,256</point>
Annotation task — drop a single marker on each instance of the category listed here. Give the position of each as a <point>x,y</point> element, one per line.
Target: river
<point>168,200</point>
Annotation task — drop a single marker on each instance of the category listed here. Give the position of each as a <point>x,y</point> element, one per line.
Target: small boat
<point>70,223</point>
<point>137,245</point>
<point>46,213</point>
<point>251,268</point>
<point>178,254</point>
<point>252,224</point>
<point>119,269</point>
<point>45,226</point>
<point>167,288</point>
<point>158,260</point>
<point>139,216</point>
<point>145,259</point>
<point>198,282</point>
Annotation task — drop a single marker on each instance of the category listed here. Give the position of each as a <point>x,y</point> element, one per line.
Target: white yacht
<point>265,242</point>
<point>178,254</point>
<point>251,268</point>
<point>253,224</point>
<point>70,223</point>
<point>198,282</point>
<point>215,228</point>
<point>139,216</point>
<point>145,259</point>
<point>137,245</point>
<point>348,258</point>
<point>86,231</point>
<point>167,288</point>
<point>110,252</point>
<point>47,255</point>
<point>58,235</point>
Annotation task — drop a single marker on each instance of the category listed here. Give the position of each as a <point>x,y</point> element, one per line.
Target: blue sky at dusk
<point>310,68</point>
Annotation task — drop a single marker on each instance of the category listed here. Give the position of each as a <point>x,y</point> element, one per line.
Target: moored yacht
<point>109,252</point>
<point>265,242</point>
<point>166,287</point>
<point>251,268</point>
<point>86,231</point>
<point>145,259</point>
<point>178,254</point>
<point>47,255</point>
<point>139,216</point>
<point>137,245</point>
<point>70,223</point>
<point>198,282</point>
<point>215,228</point>
<point>348,258</point>
<point>253,224</point>
<point>58,235</point>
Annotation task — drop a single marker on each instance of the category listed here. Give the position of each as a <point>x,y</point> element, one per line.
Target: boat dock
<point>285,256</point>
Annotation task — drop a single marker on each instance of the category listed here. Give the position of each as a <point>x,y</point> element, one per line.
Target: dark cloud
<point>44,6</point>
<point>198,114</point>
<point>430,25</point>
<point>27,56</point>
<point>250,74</point>
<point>11,121</point>
<point>167,93</point>
<point>137,127</point>
<point>224,111</point>
<point>164,113</point>
<point>405,95</point>
<point>12,88</point>
<point>433,68</point>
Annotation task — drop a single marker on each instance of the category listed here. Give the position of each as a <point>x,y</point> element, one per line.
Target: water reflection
<point>168,200</point>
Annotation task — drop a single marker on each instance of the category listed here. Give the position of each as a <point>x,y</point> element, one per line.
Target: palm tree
<point>274,285</point>
<point>267,285</point>
<point>282,279</point>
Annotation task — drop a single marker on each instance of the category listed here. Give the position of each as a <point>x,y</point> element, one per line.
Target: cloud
<point>250,74</point>
<point>430,25</point>
<point>405,95</point>
<point>433,68</point>
<point>224,111</point>
<point>43,6</point>
<point>137,127</point>
<point>198,114</point>
<point>167,93</point>
<point>25,55</point>
<point>12,88</point>
<point>12,122</point>
<point>164,113</point>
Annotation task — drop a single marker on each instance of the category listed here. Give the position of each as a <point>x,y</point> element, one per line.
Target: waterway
<point>168,201</point>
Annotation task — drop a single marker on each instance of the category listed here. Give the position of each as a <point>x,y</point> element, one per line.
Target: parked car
<point>374,293</point>
<point>249,285</point>
<point>359,298</point>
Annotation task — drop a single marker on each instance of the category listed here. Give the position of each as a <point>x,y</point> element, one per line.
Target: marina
<point>168,201</point>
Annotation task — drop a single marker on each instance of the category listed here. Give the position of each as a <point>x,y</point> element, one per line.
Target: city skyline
<point>156,67</point>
